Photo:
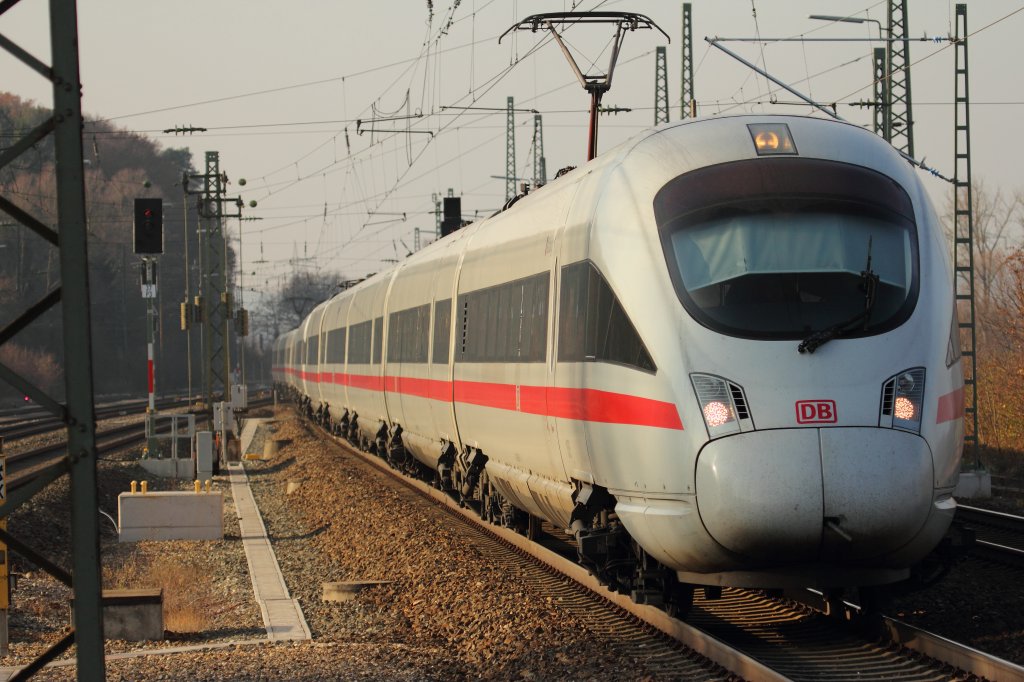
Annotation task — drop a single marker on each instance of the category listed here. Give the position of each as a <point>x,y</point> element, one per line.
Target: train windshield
<point>783,248</point>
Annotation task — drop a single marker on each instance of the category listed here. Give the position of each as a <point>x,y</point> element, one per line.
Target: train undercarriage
<point>602,544</point>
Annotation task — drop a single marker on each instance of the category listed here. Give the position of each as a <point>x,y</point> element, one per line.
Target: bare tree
<point>285,309</point>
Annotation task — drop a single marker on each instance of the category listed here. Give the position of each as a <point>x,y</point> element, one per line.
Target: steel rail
<point>719,650</point>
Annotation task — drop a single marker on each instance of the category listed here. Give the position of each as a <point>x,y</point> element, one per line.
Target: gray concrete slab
<point>282,615</point>
<point>249,427</point>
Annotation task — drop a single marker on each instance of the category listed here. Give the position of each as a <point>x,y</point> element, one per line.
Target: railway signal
<point>149,226</point>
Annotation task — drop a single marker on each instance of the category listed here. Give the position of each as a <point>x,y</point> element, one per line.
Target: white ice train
<point>724,352</point>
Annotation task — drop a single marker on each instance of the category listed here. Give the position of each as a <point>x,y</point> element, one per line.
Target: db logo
<point>815,412</point>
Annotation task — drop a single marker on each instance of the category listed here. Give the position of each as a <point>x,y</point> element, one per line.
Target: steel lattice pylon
<point>687,102</point>
<point>881,121</point>
<point>963,238</point>
<point>216,299</point>
<point>78,411</point>
<point>901,119</point>
<point>510,151</point>
<point>660,85</point>
<point>540,168</point>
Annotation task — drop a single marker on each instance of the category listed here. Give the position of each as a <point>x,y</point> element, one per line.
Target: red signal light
<point>148,213</point>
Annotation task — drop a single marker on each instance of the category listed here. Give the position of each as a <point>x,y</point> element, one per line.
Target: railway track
<point>747,633</point>
<point>1007,486</point>
<point>998,536</point>
<point>22,466</point>
<point>45,422</point>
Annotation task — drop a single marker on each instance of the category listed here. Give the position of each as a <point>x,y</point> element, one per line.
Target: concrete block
<point>172,515</point>
<point>974,485</point>
<point>170,468</point>
<point>204,455</point>
<point>132,615</point>
<point>347,591</point>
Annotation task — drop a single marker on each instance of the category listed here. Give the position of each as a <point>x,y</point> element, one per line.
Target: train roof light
<point>772,139</point>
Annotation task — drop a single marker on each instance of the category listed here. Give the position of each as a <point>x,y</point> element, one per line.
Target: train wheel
<point>533,528</point>
<point>678,599</point>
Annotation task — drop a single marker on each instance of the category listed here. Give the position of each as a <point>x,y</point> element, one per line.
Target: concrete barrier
<point>974,485</point>
<point>172,515</point>
<point>170,468</point>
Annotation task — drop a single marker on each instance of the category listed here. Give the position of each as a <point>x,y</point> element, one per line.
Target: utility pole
<point>215,299</point>
<point>963,238</point>
<point>660,85</point>
<point>688,102</point>
<point>901,114</point>
<point>510,151</point>
<point>216,296</point>
<point>540,169</point>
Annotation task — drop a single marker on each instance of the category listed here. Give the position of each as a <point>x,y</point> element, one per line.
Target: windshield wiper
<point>869,283</point>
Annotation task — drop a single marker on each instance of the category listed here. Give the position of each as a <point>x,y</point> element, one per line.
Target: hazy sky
<point>280,86</point>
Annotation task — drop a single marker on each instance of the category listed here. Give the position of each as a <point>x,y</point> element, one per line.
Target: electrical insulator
<point>199,310</point>
<point>186,316</point>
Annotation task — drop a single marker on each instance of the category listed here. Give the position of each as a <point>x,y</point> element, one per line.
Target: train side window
<point>442,331</point>
<point>312,348</point>
<point>422,337</point>
<point>335,351</point>
<point>378,339</point>
<point>394,336</point>
<point>408,334</point>
<point>359,344</point>
<point>592,324</point>
<point>505,323</point>
<point>534,334</point>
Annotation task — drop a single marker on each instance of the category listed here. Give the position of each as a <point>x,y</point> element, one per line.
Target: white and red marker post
<point>149,293</point>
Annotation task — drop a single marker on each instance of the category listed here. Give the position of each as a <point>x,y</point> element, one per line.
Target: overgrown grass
<point>189,599</point>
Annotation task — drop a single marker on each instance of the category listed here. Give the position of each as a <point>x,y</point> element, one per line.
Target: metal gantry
<point>963,237</point>
<point>78,411</point>
<point>687,101</point>
<point>660,85</point>
<point>901,118</point>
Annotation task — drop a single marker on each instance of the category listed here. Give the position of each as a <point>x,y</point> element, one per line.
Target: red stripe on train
<point>584,404</point>
<point>951,406</point>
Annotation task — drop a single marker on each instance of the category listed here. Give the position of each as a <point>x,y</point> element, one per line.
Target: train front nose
<point>798,495</point>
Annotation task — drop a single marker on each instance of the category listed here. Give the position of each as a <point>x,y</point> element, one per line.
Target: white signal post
<point>149,290</point>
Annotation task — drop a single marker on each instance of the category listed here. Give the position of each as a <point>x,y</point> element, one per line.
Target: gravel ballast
<point>447,610</point>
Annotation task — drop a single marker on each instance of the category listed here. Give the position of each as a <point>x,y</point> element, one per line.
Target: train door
<point>440,377</point>
<point>569,379</point>
<point>390,367</point>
